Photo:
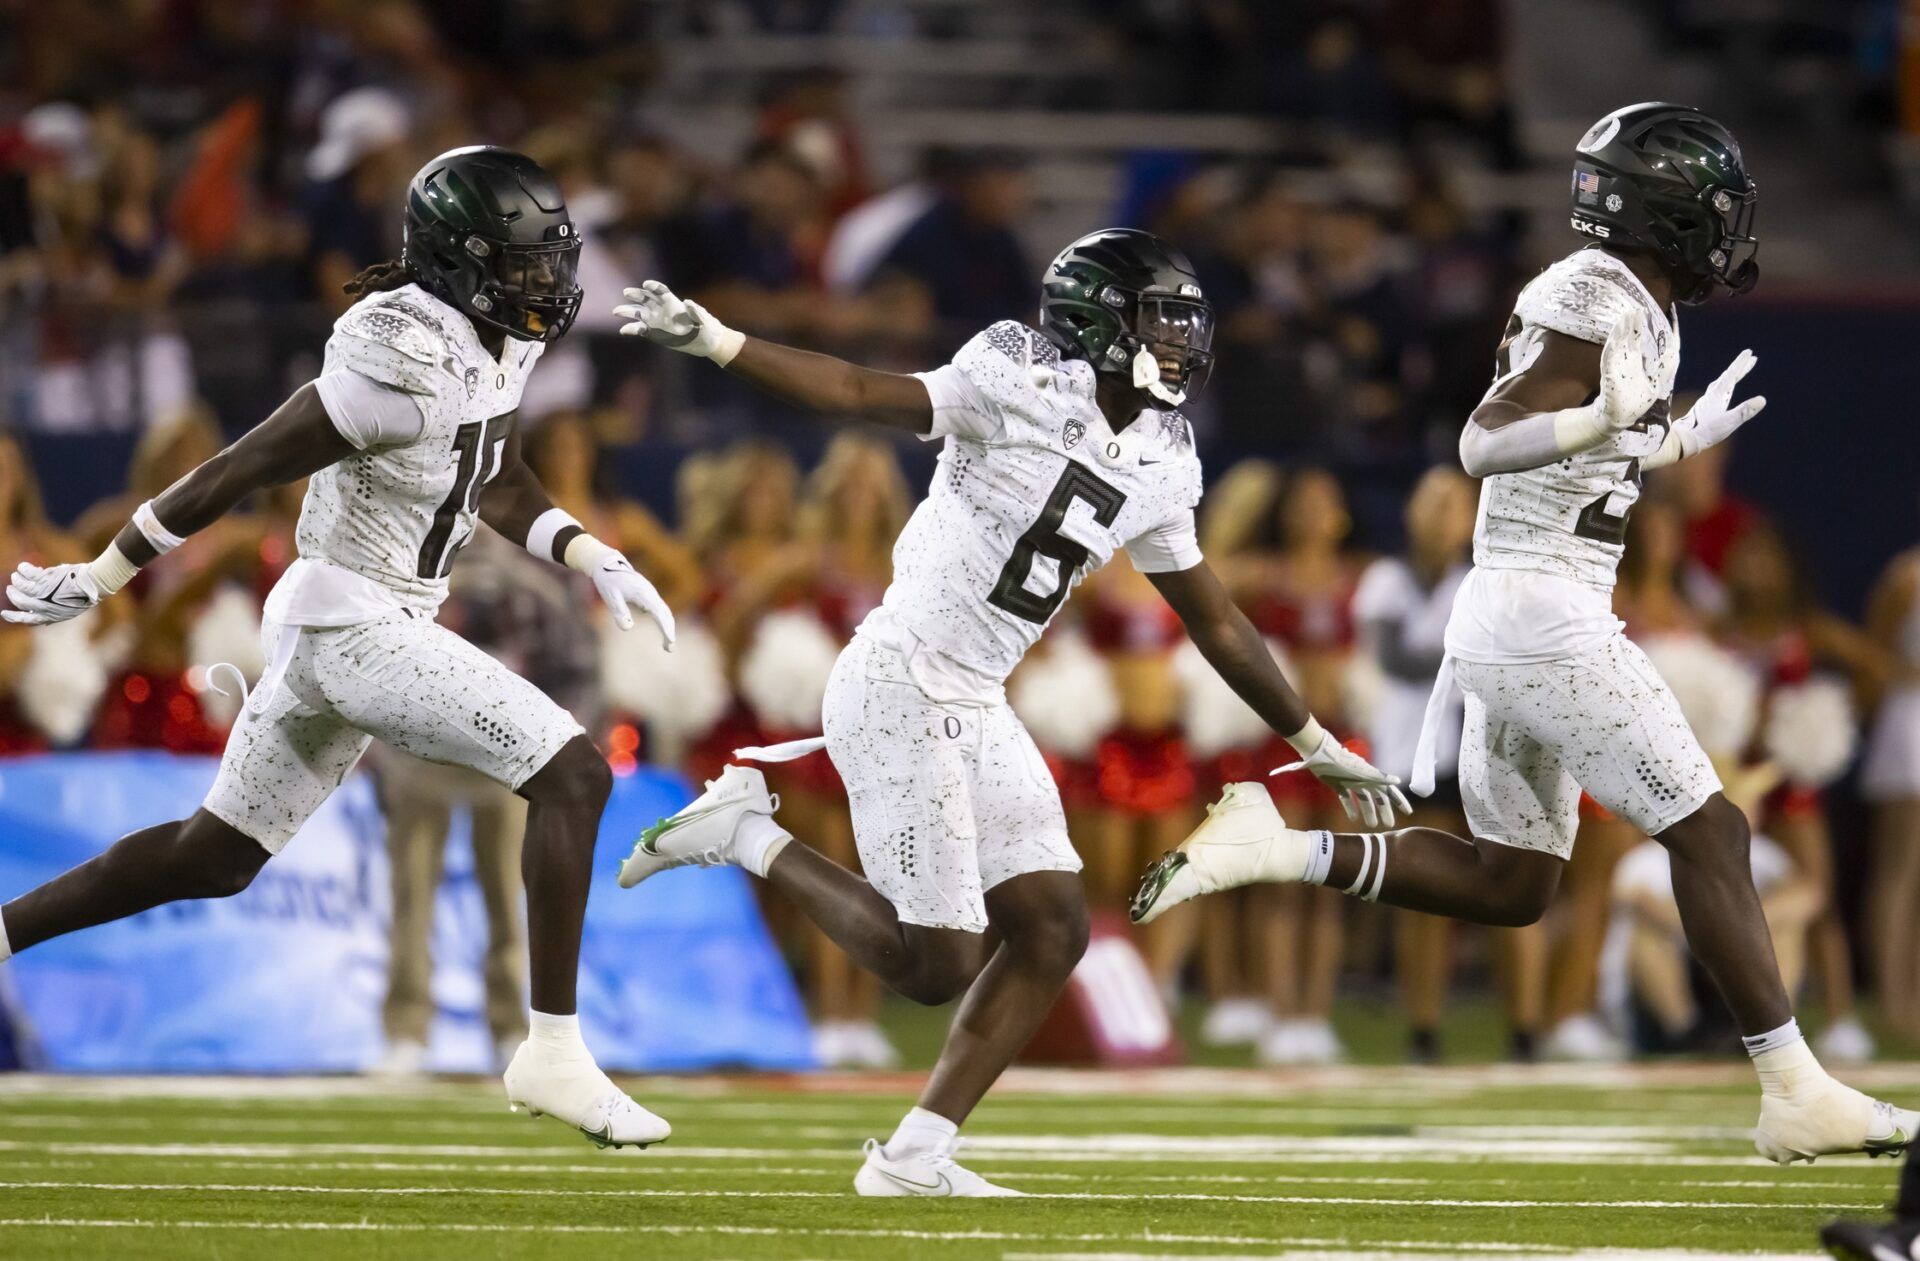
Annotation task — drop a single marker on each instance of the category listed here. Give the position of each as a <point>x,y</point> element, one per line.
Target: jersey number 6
<point>1043,538</point>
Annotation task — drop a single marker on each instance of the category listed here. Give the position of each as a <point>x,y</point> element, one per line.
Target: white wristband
<point>1307,741</point>
<point>586,553</point>
<point>546,528</point>
<point>112,570</point>
<point>726,344</point>
<point>159,536</point>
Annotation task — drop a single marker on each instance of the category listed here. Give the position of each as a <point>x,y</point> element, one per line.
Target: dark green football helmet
<point>488,233</point>
<point>1670,180</point>
<point>1130,304</point>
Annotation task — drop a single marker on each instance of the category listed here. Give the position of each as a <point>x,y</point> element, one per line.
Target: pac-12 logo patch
<point>473,381</point>
<point>1072,434</point>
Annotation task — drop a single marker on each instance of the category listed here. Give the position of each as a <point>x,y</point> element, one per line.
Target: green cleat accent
<point>1154,883</point>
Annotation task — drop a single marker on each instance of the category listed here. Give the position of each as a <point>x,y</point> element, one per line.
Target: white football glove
<point>621,586</point>
<point>1631,370</point>
<point>1713,419</point>
<point>41,597</point>
<point>1368,794</point>
<point>656,313</point>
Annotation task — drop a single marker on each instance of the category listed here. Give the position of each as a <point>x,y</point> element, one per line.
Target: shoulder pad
<point>390,342</point>
<point>1583,296</point>
<point>1017,342</point>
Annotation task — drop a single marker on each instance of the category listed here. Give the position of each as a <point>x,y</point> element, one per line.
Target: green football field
<point>1217,1163</point>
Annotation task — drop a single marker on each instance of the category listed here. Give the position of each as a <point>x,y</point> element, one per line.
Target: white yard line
<point>244,1188</point>
<point>831,1232</point>
<point>1062,1151</point>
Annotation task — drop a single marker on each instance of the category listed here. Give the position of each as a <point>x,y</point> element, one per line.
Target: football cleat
<point>701,834</point>
<point>1864,1241</point>
<point>1242,840</point>
<point>574,1090</point>
<point>1828,1119</point>
<point>923,1173</point>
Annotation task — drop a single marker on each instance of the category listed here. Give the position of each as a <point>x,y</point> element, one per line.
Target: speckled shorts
<point>1602,720</point>
<point>402,679</point>
<point>948,800</point>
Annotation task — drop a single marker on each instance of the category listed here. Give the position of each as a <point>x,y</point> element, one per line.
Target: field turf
<point>1216,1163</point>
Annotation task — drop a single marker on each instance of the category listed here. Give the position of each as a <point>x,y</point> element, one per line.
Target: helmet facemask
<point>1168,347</point>
<point>530,291</point>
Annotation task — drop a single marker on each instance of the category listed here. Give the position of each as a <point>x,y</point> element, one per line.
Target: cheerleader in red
<point>1147,790</point>
<point>1299,593</point>
<point>1774,624</point>
<point>804,605</point>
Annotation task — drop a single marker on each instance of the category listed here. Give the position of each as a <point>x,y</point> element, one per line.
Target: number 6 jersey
<point>1033,492</point>
<point>408,383</point>
<point>1548,540</point>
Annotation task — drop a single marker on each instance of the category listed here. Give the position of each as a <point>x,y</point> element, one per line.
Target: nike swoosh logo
<point>942,1187</point>
<point>1892,1145</point>
<point>1144,462</point>
<point>79,602</point>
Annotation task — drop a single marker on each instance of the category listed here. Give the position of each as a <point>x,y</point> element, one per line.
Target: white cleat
<point>1583,1039</point>
<point>574,1090</point>
<point>701,835</point>
<point>1845,1042</point>
<point>1243,840</point>
<point>1830,1119</point>
<point>923,1173</point>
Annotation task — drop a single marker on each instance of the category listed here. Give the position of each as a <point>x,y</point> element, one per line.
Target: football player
<point>409,441</point>
<point>1059,447</point>
<point>1557,699</point>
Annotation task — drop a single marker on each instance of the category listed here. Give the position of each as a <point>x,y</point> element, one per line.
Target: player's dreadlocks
<point>379,278</point>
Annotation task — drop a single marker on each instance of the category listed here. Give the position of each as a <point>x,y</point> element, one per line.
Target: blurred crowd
<point>184,185</point>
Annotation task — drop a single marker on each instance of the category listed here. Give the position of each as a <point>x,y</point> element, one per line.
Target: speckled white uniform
<point>356,653</point>
<point>1033,492</point>
<point>1557,698</point>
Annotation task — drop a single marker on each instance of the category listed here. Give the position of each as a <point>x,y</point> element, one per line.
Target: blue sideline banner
<point>289,976</point>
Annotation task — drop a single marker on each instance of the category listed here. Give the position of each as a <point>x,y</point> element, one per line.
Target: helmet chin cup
<point>1146,376</point>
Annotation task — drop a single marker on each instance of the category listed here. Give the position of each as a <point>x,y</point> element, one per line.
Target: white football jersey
<point>398,514</point>
<point>1033,492</point>
<point>1569,519</point>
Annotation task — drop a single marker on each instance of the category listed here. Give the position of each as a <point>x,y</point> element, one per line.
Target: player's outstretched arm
<point>297,440</point>
<point>1234,648</point>
<point>1569,397</point>
<point>517,506</point>
<point>818,383</point>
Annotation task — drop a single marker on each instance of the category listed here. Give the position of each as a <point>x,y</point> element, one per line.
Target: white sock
<point>1783,1060</point>
<point>6,951</point>
<point>921,1131</point>
<point>759,842</point>
<point>555,1033</point>
<point>1319,857</point>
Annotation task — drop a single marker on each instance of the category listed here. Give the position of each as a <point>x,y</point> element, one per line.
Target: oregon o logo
<point>952,725</point>
<point>1113,450</point>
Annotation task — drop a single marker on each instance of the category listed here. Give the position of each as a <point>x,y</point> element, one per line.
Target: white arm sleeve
<point>959,408</point>
<point>369,414</point>
<point>1169,547</point>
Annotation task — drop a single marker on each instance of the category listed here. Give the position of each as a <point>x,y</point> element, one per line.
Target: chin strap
<point>1146,376</point>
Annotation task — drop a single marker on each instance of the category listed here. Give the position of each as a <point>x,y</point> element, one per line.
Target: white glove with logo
<point>1368,794</point>
<point>656,313</point>
<point>1713,419</point>
<point>620,585</point>
<point>41,597</point>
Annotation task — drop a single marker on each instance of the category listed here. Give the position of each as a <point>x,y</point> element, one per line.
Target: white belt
<point>1425,753</point>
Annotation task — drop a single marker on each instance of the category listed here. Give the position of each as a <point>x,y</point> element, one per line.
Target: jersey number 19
<point>476,450</point>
